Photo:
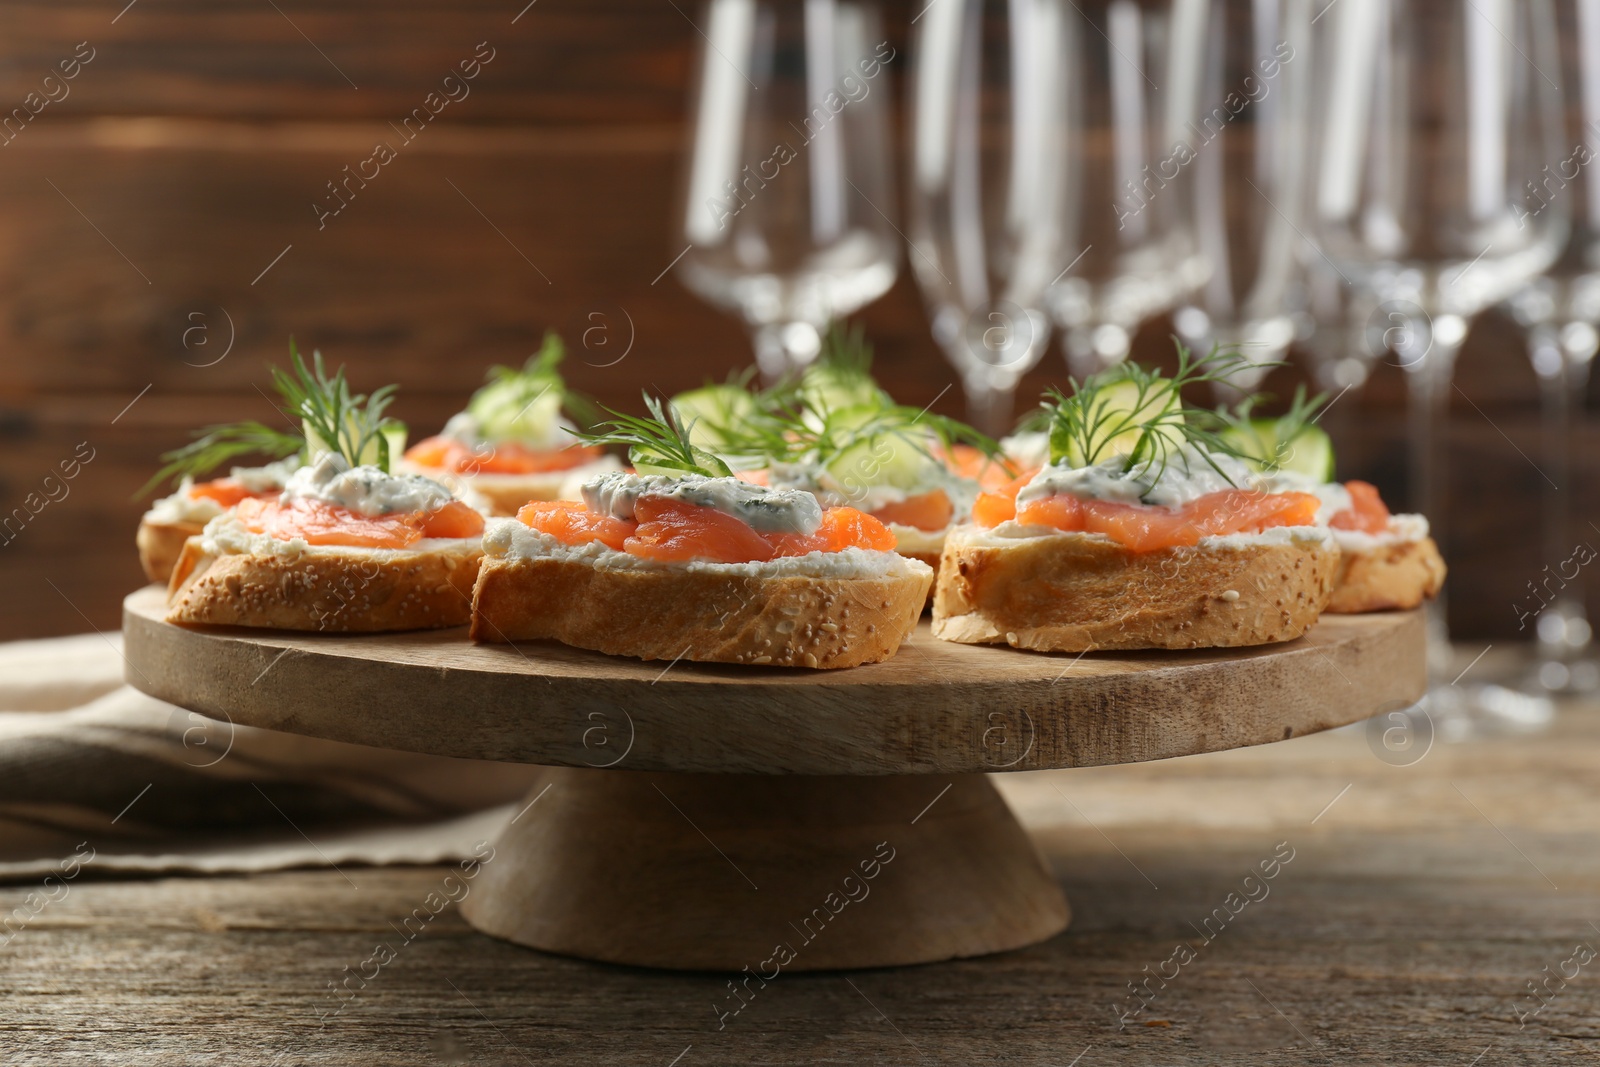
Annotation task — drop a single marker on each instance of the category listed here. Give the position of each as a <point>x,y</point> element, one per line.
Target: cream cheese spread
<point>768,510</point>
<point>1027,450</point>
<point>1186,474</point>
<point>365,490</point>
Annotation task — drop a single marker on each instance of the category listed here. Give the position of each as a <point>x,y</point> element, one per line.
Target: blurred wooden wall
<point>140,212</point>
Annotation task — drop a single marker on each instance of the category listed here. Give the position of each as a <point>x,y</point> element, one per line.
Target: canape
<point>1142,531</point>
<point>183,514</point>
<point>514,442</point>
<point>835,433</point>
<point>1386,562</point>
<point>346,545</point>
<point>679,559</point>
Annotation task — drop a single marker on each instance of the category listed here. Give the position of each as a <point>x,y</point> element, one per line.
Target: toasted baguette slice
<point>1390,576</point>
<point>726,614</point>
<point>160,545</point>
<point>1074,592</point>
<point>333,588</point>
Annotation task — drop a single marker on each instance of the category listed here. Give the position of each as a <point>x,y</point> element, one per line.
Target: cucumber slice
<point>713,414</point>
<point>517,409</point>
<point>1118,411</point>
<point>1309,452</point>
<point>826,388</point>
<point>893,458</point>
<point>392,430</point>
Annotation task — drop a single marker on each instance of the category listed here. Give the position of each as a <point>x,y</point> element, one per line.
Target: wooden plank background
<point>186,156</point>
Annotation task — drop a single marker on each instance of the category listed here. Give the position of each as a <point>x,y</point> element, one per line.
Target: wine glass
<point>1560,311</point>
<point>789,195</point>
<point>1435,120</point>
<point>1129,235</point>
<point>1248,177</point>
<point>989,156</point>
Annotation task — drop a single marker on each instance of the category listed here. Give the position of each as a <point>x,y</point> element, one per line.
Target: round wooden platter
<point>762,819</point>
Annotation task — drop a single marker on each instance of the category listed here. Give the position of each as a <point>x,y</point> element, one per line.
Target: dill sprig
<point>661,440</point>
<point>215,446</point>
<point>845,350</point>
<point>342,421</point>
<point>1137,414</point>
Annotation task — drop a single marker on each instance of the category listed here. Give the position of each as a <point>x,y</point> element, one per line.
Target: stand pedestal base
<point>773,873</point>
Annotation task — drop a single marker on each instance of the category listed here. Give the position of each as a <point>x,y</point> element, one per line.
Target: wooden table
<point>1419,903</point>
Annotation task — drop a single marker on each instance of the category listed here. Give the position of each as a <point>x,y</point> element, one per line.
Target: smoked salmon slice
<point>1366,513</point>
<point>320,523</point>
<point>673,531</point>
<point>990,473</point>
<point>1145,529</point>
<point>507,457</point>
<point>841,528</point>
<point>927,511</point>
<point>569,522</point>
<point>225,491</point>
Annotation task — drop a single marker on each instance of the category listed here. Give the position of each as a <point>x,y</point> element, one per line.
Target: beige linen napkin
<point>96,777</point>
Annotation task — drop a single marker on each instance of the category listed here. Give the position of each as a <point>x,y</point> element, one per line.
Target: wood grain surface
<point>1404,931</point>
<point>936,707</point>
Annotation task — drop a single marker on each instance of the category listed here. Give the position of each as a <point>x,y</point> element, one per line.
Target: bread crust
<point>345,590</point>
<point>1070,592</point>
<point>932,560</point>
<point>709,617</point>
<point>160,545</point>
<point>1389,577</point>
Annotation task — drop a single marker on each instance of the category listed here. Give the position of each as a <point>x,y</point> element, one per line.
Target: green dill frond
<point>845,350</point>
<point>539,372</point>
<point>659,441</point>
<point>351,424</point>
<point>1137,414</point>
<point>216,446</point>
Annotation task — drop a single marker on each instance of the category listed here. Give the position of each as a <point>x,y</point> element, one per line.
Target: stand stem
<point>726,872</point>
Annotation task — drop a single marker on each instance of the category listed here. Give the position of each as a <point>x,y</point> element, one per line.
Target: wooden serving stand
<point>706,817</point>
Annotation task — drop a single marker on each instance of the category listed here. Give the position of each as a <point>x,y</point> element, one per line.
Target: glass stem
<point>1428,384</point>
<point>785,348</point>
<point>1559,390</point>
<point>989,406</point>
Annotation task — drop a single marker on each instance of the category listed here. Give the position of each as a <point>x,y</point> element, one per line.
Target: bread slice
<point>1386,576</point>
<point>160,545</point>
<point>730,613</point>
<point>332,588</point>
<point>1076,592</point>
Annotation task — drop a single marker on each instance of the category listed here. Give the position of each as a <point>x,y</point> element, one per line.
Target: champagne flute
<point>1560,311</point>
<point>1129,234</point>
<point>789,192</point>
<point>1248,178</point>
<point>1435,118</point>
<point>989,134</point>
